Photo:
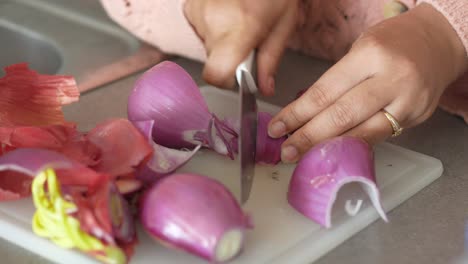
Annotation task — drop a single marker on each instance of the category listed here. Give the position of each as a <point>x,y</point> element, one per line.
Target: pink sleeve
<point>160,23</point>
<point>455,98</point>
<point>456,12</point>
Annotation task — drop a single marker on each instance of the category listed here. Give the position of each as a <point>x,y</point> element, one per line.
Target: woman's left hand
<point>401,65</point>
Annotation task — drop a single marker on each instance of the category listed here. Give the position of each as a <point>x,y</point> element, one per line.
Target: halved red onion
<point>18,167</point>
<point>196,214</point>
<point>163,160</point>
<point>167,95</point>
<point>326,168</point>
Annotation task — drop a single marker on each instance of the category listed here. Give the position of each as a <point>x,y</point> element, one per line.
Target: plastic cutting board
<point>281,235</point>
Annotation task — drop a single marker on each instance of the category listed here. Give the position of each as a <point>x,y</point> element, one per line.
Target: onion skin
<point>192,213</point>
<point>18,167</point>
<point>324,169</point>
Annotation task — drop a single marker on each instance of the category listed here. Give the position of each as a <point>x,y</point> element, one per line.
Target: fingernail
<point>277,129</point>
<point>289,154</point>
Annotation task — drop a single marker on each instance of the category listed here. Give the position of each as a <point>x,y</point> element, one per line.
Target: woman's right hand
<point>231,29</point>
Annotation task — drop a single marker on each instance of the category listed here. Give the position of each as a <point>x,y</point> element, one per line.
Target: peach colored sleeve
<point>455,98</point>
<point>160,23</point>
<point>456,12</point>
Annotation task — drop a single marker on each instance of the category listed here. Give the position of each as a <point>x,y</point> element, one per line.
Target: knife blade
<point>246,77</point>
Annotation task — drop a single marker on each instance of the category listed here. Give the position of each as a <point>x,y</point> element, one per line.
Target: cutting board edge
<point>300,254</point>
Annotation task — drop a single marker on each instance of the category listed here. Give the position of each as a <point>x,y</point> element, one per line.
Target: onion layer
<point>163,160</point>
<point>323,170</point>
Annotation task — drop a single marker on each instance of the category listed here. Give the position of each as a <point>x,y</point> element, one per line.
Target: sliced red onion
<point>18,167</point>
<point>163,160</point>
<point>167,95</point>
<point>268,150</point>
<point>323,170</point>
<point>196,214</point>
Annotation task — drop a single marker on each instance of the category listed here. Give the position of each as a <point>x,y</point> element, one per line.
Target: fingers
<point>332,85</point>
<point>226,53</point>
<point>355,107</point>
<point>374,130</point>
<point>272,49</point>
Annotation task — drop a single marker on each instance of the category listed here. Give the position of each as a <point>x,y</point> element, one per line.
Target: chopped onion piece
<point>326,168</point>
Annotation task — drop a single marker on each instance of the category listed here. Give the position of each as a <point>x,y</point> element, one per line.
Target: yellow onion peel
<point>52,220</point>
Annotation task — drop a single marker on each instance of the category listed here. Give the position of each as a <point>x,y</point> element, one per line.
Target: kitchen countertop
<point>427,228</point>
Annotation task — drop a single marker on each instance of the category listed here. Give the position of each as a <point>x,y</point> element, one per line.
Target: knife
<point>247,81</point>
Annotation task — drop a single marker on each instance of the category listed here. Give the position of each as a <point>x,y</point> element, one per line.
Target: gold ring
<point>397,129</point>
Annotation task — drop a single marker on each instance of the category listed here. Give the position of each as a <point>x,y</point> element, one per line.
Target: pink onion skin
<point>324,169</point>
<point>191,212</point>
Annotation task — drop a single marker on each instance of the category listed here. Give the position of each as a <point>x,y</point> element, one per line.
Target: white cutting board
<point>281,235</point>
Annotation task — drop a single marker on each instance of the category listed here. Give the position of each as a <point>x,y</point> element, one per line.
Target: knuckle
<point>319,96</point>
<point>409,67</point>
<point>370,42</point>
<point>342,116</point>
<point>304,138</point>
<point>294,114</point>
<point>217,78</point>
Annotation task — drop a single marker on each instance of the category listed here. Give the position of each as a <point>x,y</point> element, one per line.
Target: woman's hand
<point>231,29</point>
<point>401,65</point>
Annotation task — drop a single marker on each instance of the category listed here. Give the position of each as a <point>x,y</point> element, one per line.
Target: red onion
<point>268,150</point>
<point>167,95</point>
<point>323,170</point>
<point>196,214</point>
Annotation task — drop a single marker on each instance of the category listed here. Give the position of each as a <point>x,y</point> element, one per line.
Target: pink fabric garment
<point>326,29</point>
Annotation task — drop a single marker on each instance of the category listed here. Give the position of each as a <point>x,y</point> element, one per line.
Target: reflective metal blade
<point>248,134</point>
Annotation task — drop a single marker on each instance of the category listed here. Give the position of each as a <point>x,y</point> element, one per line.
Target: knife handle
<point>249,67</point>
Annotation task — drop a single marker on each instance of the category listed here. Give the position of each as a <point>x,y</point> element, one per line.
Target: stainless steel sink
<point>18,44</point>
<point>70,37</point>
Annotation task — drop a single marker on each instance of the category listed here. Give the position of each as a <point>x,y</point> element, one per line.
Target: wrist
<point>444,39</point>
